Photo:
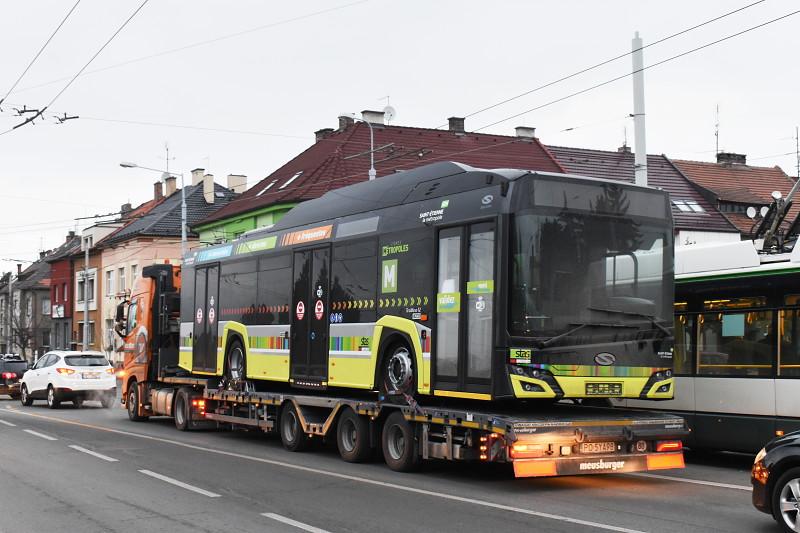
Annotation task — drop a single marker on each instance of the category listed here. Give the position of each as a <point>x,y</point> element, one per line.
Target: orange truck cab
<point>150,343</point>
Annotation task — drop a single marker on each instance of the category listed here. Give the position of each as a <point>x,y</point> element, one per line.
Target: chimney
<point>373,117</point>
<point>728,158</point>
<point>42,255</point>
<point>238,182</point>
<point>208,188</point>
<point>624,149</point>
<point>171,182</point>
<point>124,210</point>
<point>70,235</point>
<point>321,134</point>
<point>345,122</point>
<point>525,132</point>
<point>19,269</point>
<point>456,124</point>
<point>197,175</point>
<point>158,191</point>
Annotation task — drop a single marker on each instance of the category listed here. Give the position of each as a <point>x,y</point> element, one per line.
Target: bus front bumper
<point>655,387</point>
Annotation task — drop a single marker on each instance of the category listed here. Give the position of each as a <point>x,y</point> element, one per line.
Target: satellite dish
<point>764,210</point>
<point>776,195</point>
<point>751,212</point>
<point>389,113</point>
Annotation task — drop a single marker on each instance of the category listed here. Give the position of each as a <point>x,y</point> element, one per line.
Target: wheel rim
<point>349,435</point>
<point>51,396</point>
<point>24,392</point>
<point>236,363</point>
<point>790,503</point>
<point>290,426</point>
<point>132,401</point>
<point>396,442</point>
<point>399,369</point>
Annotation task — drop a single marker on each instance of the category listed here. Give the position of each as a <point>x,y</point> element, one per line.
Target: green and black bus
<point>447,281</point>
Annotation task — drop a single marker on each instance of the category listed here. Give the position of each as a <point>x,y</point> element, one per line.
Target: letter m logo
<point>389,276</point>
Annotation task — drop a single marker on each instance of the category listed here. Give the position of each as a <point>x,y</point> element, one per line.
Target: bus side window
<point>790,343</point>
<point>736,344</point>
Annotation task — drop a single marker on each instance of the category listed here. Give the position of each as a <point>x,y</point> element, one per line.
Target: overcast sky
<point>306,62</point>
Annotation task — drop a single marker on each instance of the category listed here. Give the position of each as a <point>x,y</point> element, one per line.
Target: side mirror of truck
<point>121,312</point>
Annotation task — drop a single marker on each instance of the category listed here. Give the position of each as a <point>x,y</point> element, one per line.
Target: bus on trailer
<point>445,281</point>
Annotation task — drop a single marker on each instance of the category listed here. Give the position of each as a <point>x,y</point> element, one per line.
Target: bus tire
<point>236,366</point>
<point>181,411</point>
<point>133,403</point>
<point>398,373</point>
<point>293,437</point>
<point>400,449</point>
<point>352,437</point>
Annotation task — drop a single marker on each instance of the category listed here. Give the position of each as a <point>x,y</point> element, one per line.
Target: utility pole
<point>86,241</point>
<point>640,158</point>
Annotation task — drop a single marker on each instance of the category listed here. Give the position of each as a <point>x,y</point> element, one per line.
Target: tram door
<point>465,308</point>
<point>206,296</point>
<point>309,348</point>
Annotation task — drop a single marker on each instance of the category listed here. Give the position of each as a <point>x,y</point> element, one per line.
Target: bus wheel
<point>235,366</point>
<point>399,445</point>
<point>181,410</point>
<point>293,437</point>
<point>397,372</point>
<point>352,437</point>
<point>133,403</point>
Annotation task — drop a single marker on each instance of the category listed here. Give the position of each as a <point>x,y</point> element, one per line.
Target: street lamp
<point>372,172</point>
<point>128,164</point>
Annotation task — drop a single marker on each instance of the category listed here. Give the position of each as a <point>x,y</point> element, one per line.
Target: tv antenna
<point>716,130</point>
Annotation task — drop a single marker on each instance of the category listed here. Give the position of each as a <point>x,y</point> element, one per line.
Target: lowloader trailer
<point>555,440</point>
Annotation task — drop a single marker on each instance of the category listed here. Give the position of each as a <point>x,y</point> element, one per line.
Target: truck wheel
<point>181,411</point>
<point>133,403</point>
<point>53,401</point>
<point>24,397</point>
<point>785,497</point>
<point>352,437</point>
<point>397,371</point>
<point>293,437</point>
<point>399,445</point>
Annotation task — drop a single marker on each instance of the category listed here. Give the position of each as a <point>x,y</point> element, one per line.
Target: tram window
<point>682,362</point>
<point>790,343</point>
<point>736,344</point>
<point>735,303</point>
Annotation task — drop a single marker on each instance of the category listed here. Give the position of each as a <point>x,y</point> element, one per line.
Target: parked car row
<point>59,376</point>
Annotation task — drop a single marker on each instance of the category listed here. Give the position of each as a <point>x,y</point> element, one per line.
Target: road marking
<point>95,454</point>
<point>180,484</point>
<point>41,435</point>
<point>295,523</point>
<point>9,424</point>
<point>694,481</point>
<point>366,481</point>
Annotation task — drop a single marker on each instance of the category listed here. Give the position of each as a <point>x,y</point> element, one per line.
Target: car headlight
<point>760,455</point>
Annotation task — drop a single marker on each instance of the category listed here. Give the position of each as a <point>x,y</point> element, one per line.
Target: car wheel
<point>77,402</point>
<point>107,400</point>
<point>786,500</point>
<point>24,397</point>
<point>53,401</point>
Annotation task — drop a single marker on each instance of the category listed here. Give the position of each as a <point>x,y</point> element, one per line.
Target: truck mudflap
<point>609,464</point>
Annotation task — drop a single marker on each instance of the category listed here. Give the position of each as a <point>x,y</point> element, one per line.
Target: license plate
<point>604,389</point>
<point>598,447</point>
<point>90,375</point>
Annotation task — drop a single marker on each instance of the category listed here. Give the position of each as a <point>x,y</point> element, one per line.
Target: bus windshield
<point>581,276</point>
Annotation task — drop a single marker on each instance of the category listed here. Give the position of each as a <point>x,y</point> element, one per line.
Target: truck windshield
<point>577,275</point>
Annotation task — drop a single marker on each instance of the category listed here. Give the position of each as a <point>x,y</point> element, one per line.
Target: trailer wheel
<point>133,403</point>
<point>400,449</point>
<point>293,437</point>
<point>181,410</point>
<point>397,371</point>
<point>352,437</point>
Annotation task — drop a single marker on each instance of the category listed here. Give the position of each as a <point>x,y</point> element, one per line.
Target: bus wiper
<point>652,318</point>
<point>551,340</point>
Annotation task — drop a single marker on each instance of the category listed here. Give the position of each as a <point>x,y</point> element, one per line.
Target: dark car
<point>776,480</point>
<point>11,370</point>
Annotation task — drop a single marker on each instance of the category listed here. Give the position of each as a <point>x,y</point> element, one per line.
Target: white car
<point>74,376</point>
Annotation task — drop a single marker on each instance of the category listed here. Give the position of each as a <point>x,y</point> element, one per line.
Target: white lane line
<point>93,453</point>
<point>366,481</point>
<point>694,481</point>
<point>181,484</point>
<point>7,423</point>
<point>295,523</point>
<point>40,435</point>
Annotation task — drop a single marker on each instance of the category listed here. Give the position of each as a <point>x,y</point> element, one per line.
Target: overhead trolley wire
<point>606,62</point>
<point>40,51</point>
<point>627,75</point>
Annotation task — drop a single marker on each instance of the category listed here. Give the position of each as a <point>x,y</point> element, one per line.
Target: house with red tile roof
<point>343,157</point>
<point>696,218</point>
<point>732,186</point>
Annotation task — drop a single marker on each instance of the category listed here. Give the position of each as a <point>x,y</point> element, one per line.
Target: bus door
<point>309,348</point>
<point>206,306</point>
<point>465,308</point>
